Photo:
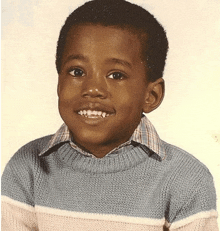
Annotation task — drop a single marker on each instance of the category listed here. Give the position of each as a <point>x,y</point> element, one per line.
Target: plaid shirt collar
<point>144,134</point>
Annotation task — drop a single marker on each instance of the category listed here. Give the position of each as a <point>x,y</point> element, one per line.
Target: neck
<point>100,151</point>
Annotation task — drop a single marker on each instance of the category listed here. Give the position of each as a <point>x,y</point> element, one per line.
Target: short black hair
<point>122,14</point>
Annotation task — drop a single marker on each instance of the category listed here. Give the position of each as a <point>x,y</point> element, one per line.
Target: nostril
<point>95,86</point>
<point>95,92</point>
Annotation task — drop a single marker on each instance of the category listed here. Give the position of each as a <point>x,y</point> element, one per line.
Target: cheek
<point>67,90</point>
<point>130,98</point>
<point>65,102</point>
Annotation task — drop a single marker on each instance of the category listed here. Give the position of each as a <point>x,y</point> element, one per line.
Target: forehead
<point>103,40</point>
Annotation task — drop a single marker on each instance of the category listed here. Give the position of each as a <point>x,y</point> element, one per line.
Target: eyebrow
<point>119,61</point>
<point>79,57</point>
<point>110,60</point>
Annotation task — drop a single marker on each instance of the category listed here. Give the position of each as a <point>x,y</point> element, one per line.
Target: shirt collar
<point>144,134</point>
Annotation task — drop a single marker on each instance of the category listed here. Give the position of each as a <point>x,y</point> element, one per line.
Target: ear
<point>58,89</point>
<point>58,86</point>
<point>154,95</point>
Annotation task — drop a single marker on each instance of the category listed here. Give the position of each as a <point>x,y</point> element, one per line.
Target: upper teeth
<point>90,113</point>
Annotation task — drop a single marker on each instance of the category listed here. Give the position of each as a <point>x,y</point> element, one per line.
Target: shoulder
<point>190,185</point>
<point>188,177</point>
<point>22,171</point>
<point>30,150</point>
<point>186,174</point>
<point>35,146</point>
<point>183,160</point>
<point>25,160</point>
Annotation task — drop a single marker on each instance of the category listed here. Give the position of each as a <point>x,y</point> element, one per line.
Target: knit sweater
<point>131,189</point>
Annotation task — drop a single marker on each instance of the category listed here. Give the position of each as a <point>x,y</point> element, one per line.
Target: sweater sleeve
<point>198,208</point>
<point>18,212</point>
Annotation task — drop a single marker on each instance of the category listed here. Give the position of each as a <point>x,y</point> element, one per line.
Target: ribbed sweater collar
<point>144,134</point>
<point>121,160</point>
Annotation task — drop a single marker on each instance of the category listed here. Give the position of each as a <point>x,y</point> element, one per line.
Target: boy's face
<point>102,86</point>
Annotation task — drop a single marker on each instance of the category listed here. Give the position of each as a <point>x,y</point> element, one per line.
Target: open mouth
<point>92,114</point>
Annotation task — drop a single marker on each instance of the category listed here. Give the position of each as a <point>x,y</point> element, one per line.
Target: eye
<point>116,75</point>
<point>76,72</point>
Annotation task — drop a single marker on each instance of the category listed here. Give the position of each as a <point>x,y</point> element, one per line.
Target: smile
<point>93,114</point>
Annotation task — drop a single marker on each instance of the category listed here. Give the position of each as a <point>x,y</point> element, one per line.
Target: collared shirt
<point>145,134</point>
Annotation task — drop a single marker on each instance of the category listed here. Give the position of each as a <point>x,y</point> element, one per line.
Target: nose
<point>95,87</point>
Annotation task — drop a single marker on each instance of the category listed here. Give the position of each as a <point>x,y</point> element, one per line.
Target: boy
<point>106,168</point>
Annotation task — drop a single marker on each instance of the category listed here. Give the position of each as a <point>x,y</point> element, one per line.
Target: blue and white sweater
<point>49,185</point>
